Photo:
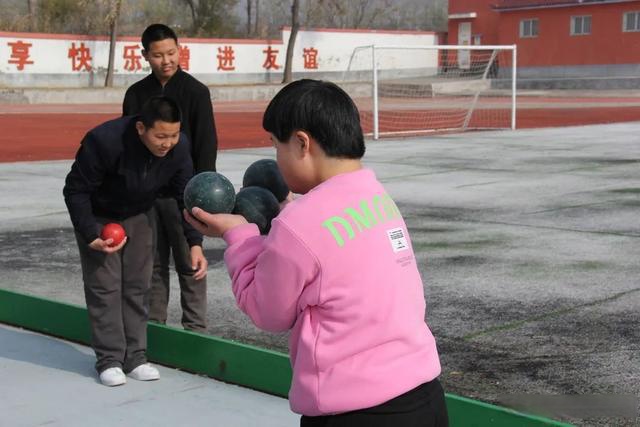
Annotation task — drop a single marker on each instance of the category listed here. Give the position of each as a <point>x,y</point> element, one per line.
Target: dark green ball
<point>211,192</point>
<point>266,174</point>
<point>258,205</point>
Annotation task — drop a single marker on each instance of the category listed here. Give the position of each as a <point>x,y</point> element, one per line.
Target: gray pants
<point>193,293</point>
<point>116,289</point>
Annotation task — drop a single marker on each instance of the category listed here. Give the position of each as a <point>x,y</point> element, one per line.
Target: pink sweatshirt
<point>338,269</point>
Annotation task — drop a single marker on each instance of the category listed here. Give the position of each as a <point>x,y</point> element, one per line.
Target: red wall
<point>486,22</point>
<point>607,43</point>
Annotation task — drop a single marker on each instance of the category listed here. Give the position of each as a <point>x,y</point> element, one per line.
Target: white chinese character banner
<point>325,51</point>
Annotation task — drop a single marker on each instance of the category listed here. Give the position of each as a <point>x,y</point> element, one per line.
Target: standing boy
<point>162,52</point>
<point>338,270</point>
<point>119,169</point>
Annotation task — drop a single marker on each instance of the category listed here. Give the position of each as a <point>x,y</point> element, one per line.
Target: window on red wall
<point>631,21</point>
<point>529,28</point>
<point>580,25</point>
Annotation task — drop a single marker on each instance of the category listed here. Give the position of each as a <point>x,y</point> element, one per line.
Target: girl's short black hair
<point>156,33</point>
<point>160,108</point>
<point>323,110</point>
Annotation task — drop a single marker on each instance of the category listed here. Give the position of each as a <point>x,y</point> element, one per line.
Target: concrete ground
<point>528,243</point>
<point>47,381</point>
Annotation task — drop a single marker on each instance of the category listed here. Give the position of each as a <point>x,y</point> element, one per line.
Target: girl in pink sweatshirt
<point>338,270</point>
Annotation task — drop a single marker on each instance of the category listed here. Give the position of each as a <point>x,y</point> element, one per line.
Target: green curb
<point>464,412</point>
<point>228,361</point>
<point>245,365</point>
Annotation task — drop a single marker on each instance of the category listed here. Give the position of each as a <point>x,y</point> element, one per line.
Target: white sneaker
<point>145,372</point>
<point>112,377</point>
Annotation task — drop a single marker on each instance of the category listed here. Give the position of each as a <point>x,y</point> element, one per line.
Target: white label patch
<point>397,239</point>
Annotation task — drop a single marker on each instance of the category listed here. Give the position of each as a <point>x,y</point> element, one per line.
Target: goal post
<point>434,88</point>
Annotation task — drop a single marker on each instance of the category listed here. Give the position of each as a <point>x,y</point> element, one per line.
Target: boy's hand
<point>103,245</point>
<point>198,262</point>
<point>212,225</point>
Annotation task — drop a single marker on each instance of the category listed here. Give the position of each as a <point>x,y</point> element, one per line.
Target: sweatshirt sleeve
<point>269,274</point>
<point>203,132</point>
<point>85,177</point>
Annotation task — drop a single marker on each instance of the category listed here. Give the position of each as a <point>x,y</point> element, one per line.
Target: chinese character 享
<point>20,54</point>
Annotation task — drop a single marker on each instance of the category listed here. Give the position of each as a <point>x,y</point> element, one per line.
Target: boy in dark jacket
<point>118,171</point>
<point>162,52</point>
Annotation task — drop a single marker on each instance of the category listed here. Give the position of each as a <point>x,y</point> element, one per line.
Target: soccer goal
<point>437,88</point>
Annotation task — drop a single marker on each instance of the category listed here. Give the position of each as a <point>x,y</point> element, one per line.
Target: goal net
<point>438,88</point>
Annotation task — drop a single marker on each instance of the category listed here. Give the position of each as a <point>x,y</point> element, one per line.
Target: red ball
<point>113,231</point>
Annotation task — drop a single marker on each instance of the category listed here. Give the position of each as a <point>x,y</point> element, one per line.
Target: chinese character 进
<point>20,54</point>
<point>310,57</point>
<point>80,57</point>
<point>270,60</point>
<point>226,56</point>
<point>132,59</point>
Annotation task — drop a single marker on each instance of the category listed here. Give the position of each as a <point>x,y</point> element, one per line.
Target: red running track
<point>55,136</point>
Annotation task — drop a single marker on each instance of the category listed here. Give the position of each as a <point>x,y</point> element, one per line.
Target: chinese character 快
<point>80,57</point>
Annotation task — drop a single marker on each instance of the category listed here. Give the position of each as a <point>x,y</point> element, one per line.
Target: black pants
<point>193,293</point>
<point>116,289</point>
<point>424,406</point>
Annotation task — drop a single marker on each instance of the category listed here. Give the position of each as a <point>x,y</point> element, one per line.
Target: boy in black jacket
<point>118,171</point>
<point>161,51</point>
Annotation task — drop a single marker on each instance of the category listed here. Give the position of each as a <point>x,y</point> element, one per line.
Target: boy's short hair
<point>159,108</point>
<point>321,109</point>
<point>156,33</point>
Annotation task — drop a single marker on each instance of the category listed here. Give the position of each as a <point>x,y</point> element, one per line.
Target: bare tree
<point>194,16</point>
<point>112,19</point>
<point>32,14</point>
<point>273,16</point>
<point>257,28</point>
<point>365,13</point>
<point>213,17</point>
<point>351,14</point>
<point>295,26</point>
<point>249,3</point>
<point>376,14</point>
<point>220,18</point>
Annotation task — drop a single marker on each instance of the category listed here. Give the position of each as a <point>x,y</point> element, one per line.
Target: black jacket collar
<point>179,75</point>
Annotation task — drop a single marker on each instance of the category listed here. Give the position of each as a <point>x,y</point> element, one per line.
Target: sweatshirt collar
<point>359,175</point>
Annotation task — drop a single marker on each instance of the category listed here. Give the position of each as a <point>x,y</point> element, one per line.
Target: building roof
<point>507,5</point>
